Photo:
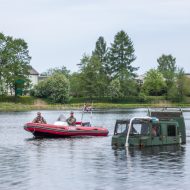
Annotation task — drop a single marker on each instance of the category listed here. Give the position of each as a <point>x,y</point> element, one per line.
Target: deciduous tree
<point>180,87</point>
<point>154,83</point>
<point>55,88</point>
<point>167,66</point>
<point>14,62</point>
<point>114,89</point>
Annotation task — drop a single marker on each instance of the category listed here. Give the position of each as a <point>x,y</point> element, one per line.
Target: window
<point>171,130</point>
<point>145,129</point>
<point>121,128</point>
<point>136,128</point>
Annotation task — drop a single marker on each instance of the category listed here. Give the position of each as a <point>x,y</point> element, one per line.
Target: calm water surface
<point>27,163</point>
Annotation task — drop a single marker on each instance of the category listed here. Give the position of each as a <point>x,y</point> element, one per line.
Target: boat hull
<point>48,130</point>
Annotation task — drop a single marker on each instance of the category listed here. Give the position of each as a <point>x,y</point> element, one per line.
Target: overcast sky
<point>59,32</point>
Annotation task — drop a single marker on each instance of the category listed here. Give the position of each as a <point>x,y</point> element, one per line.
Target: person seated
<point>154,131</point>
<point>39,118</point>
<point>71,120</point>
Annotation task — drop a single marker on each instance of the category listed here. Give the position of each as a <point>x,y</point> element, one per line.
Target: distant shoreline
<point>14,107</point>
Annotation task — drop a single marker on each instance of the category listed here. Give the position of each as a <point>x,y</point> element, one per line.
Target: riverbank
<point>6,107</point>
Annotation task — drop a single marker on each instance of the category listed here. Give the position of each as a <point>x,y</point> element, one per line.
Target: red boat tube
<point>50,130</point>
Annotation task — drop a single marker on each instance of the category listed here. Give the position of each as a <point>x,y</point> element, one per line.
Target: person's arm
<point>44,121</point>
<point>34,120</point>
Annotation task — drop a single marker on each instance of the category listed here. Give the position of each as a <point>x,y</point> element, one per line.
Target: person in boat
<point>154,131</point>
<point>87,108</point>
<point>71,120</point>
<point>39,118</point>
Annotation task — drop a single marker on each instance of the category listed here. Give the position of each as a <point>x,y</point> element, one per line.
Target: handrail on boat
<point>130,125</point>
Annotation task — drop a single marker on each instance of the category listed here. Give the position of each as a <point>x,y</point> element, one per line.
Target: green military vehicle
<point>161,127</point>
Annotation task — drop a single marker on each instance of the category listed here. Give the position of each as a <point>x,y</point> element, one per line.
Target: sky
<point>60,32</point>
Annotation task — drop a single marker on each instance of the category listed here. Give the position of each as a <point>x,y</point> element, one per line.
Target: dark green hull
<point>144,141</point>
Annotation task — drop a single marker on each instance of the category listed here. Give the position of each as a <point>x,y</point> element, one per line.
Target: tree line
<point>108,72</point>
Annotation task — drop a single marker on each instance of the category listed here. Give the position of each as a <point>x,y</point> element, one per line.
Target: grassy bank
<point>40,106</point>
<point>28,103</point>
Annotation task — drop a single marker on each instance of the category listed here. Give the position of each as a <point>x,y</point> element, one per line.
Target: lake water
<point>27,163</point>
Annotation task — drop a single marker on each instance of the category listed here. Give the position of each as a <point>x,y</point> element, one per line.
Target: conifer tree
<point>100,49</point>
<point>121,56</point>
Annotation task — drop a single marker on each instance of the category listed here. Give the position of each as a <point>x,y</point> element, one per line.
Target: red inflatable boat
<point>53,130</point>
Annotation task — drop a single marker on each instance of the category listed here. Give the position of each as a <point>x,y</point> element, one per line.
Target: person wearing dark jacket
<point>71,120</point>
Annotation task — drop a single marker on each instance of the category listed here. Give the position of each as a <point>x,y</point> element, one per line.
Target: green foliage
<point>14,63</point>
<point>75,84</point>
<point>100,50</point>
<point>187,86</point>
<point>121,55</point>
<point>106,76</point>
<point>114,89</point>
<point>180,88</point>
<point>56,88</point>
<point>99,71</point>
<point>154,83</point>
<point>167,66</point>
<point>20,99</point>
<point>180,83</point>
<point>142,98</point>
<point>128,84</point>
<point>52,71</point>
<point>93,80</point>
<point>41,90</point>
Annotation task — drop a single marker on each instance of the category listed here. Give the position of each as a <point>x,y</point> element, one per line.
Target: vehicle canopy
<point>144,128</point>
<point>121,126</point>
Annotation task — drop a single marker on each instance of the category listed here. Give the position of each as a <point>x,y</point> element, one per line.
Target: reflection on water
<point>162,167</point>
<point>87,163</point>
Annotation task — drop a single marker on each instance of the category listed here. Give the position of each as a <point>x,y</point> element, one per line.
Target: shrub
<point>55,88</point>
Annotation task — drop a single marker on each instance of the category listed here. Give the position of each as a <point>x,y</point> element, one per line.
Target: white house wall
<point>34,79</point>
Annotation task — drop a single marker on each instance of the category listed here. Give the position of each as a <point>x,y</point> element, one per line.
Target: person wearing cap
<point>39,119</point>
<point>71,120</point>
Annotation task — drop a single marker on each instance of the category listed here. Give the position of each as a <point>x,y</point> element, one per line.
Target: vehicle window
<point>121,128</point>
<point>141,128</point>
<point>136,128</point>
<point>171,130</point>
<point>145,129</point>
